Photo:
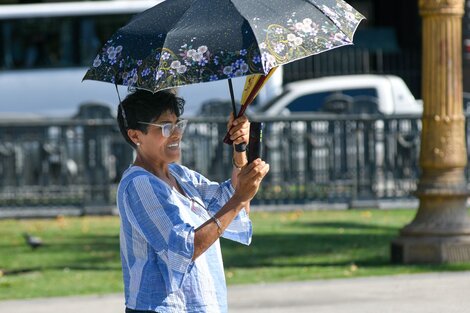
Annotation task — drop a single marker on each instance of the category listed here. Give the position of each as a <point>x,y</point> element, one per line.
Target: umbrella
<point>180,42</point>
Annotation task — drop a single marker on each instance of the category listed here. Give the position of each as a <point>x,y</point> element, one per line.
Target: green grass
<point>81,255</point>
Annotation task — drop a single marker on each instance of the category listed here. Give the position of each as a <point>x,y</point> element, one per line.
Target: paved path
<point>420,293</point>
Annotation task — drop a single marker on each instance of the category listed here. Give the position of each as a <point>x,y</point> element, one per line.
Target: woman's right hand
<point>249,180</point>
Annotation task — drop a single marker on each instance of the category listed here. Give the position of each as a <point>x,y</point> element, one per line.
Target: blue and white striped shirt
<point>157,241</point>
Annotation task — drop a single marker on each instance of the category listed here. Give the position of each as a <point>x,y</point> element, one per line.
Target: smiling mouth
<point>174,145</point>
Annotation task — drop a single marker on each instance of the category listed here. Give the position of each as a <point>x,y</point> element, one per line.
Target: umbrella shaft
<point>230,86</point>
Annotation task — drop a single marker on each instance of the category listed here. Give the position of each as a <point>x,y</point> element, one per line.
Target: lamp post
<point>440,231</point>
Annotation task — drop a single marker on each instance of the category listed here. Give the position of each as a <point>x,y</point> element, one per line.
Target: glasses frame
<point>167,133</point>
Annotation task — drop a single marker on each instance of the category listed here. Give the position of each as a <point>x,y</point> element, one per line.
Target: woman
<point>172,217</point>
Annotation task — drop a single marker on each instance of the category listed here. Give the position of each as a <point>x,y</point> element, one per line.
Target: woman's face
<point>158,148</point>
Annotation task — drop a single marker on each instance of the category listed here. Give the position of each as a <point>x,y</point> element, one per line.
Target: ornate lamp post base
<point>440,231</point>
<point>411,250</point>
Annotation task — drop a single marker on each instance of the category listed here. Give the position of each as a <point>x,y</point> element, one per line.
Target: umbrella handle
<point>242,146</point>
<point>227,136</point>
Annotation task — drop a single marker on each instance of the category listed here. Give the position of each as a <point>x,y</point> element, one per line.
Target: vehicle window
<point>335,101</point>
<point>312,102</point>
<point>372,92</point>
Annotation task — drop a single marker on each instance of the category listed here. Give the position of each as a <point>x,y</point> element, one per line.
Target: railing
<point>60,163</point>
<point>326,158</point>
<point>76,164</point>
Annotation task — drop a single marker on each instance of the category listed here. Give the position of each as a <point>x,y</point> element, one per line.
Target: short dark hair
<point>145,106</point>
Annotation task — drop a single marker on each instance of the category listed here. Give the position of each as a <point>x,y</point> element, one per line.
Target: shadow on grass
<point>370,247</point>
<point>21,271</point>
<point>81,253</point>
<point>346,225</point>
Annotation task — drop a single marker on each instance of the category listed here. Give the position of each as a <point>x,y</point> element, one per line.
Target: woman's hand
<point>239,129</point>
<point>249,180</point>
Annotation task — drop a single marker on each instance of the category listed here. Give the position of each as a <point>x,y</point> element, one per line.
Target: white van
<point>382,94</point>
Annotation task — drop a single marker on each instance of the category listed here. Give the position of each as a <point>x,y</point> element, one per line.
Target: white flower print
<point>175,64</point>
<point>112,55</point>
<point>306,28</point>
<point>202,49</point>
<point>197,56</point>
<point>307,21</point>
<point>181,69</point>
<point>191,53</point>
<point>298,26</point>
<point>291,37</point>
<point>298,41</point>
<point>97,61</point>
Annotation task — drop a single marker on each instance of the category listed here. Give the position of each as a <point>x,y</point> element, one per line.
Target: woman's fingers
<point>240,135</point>
<point>240,132</point>
<point>238,123</point>
<point>250,178</point>
<point>257,169</point>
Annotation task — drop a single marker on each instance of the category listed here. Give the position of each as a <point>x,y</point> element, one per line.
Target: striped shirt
<point>157,241</point>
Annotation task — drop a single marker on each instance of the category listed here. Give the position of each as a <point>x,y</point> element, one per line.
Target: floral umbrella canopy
<point>180,42</point>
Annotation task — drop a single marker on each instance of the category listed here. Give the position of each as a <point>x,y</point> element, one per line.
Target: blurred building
<point>387,42</point>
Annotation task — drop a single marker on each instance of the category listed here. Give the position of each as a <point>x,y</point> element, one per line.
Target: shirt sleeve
<point>215,196</point>
<point>155,218</point>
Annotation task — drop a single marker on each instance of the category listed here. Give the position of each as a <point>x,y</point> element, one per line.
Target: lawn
<point>81,254</point>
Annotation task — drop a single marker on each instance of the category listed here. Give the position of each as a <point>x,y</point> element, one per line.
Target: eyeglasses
<point>169,128</point>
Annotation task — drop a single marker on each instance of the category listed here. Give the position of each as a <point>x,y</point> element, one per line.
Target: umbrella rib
<point>256,38</point>
<point>163,46</point>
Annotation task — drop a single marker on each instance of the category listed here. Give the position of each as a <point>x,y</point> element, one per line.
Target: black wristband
<point>241,147</point>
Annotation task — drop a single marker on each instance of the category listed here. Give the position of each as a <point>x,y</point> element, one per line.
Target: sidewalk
<point>420,293</point>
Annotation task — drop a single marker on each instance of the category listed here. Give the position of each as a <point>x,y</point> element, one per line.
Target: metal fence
<point>326,158</point>
<point>76,164</point>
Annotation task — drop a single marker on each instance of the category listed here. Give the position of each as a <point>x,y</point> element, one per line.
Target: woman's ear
<point>134,135</point>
